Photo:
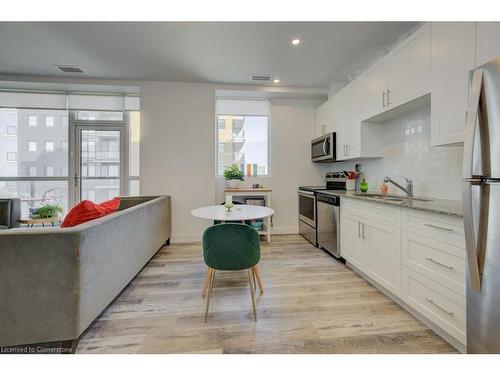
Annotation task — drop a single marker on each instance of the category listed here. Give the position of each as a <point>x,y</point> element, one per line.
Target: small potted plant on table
<point>233,176</point>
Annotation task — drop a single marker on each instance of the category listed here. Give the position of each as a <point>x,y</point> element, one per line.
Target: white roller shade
<point>132,103</point>
<point>95,102</point>
<point>243,107</point>
<point>32,100</point>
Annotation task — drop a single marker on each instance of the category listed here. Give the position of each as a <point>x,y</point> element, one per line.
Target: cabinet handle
<point>363,230</point>
<point>439,307</point>
<point>388,97</point>
<point>346,150</point>
<point>383,99</point>
<point>323,129</point>
<point>439,264</point>
<point>359,229</point>
<point>438,227</point>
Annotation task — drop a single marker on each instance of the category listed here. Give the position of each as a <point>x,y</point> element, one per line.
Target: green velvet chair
<point>231,247</point>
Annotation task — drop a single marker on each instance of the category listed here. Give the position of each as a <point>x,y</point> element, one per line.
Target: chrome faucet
<point>409,185</point>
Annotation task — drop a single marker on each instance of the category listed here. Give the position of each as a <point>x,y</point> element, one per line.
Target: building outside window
<point>243,135</point>
<point>49,171</point>
<point>49,146</point>
<point>32,120</point>
<point>49,121</point>
<point>11,156</point>
<point>64,145</point>
<point>32,171</point>
<point>32,146</point>
<point>11,130</point>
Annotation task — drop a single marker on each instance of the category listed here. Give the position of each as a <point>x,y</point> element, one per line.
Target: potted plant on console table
<point>233,176</point>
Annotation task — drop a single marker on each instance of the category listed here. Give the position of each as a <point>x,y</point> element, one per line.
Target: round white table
<point>239,212</point>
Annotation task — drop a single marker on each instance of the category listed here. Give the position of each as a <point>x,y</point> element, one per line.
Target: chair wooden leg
<point>252,293</point>
<point>254,280</point>
<point>207,281</point>
<point>257,276</point>
<point>209,296</point>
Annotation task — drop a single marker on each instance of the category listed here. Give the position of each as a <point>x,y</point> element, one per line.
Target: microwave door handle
<point>471,123</point>
<point>324,146</point>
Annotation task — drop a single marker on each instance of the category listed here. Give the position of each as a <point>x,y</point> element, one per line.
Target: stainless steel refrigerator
<point>481,197</point>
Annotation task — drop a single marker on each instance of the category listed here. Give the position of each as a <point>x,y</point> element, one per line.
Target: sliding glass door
<point>101,161</point>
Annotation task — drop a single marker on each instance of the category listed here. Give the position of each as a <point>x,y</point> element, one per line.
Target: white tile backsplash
<point>407,151</point>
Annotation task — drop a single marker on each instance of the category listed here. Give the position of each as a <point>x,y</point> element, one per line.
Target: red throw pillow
<point>83,212</point>
<point>111,205</point>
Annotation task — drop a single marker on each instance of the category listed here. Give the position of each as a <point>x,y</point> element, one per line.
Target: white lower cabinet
<point>417,256</point>
<point>369,241</point>
<point>437,303</point>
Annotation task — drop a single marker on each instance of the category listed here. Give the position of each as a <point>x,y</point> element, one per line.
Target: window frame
<point>216,167</point>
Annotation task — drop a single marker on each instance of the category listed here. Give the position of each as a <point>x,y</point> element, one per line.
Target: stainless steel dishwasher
<point>328,220</point>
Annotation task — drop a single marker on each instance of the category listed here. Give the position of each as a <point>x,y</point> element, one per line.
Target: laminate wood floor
<point>312,304</point>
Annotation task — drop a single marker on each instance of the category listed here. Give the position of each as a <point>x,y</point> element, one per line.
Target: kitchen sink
<point>392,198</point>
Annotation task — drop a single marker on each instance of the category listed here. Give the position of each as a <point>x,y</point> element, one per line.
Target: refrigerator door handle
<point>471,123</point>
<point>470,238</point>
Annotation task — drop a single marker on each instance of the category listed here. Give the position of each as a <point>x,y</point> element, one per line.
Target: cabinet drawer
<point>440,227</point>
<point>443,307</point>
<point>441,262</point>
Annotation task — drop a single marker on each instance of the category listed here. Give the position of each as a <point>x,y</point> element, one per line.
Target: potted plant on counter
<point>233,176</point>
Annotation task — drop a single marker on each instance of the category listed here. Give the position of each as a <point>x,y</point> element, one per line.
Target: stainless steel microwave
<point>323,148</point>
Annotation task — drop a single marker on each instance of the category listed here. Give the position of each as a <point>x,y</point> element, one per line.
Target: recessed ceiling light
<point>276,81</point>
<point>295,42</point>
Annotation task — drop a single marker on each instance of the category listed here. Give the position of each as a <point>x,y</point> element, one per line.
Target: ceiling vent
<point>261,77</point>
<point>69,68</point>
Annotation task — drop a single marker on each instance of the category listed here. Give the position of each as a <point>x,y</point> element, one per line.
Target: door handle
<point>471,123</point>
<point>76,179</point>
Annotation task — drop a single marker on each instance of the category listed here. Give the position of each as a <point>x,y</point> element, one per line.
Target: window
<point>49,171</point>
<point>49,121</point>
<point>32,171</point>
<point>30,143</point>
<point>222,123</point>
<point>222,148</point>
<point>64,145</point>
<point>11,156</point>
<point>11,130</point>
<point>243,140</point>
<point>32,120</point>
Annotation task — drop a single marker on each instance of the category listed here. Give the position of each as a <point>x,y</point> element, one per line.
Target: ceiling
<point>223,52</point>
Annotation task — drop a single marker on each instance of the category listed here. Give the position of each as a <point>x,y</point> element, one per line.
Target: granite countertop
<point>435,205</point>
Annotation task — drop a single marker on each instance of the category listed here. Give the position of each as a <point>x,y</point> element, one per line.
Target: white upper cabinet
<point>410,69</point>
<point>324,118</point>
<point>487,42</point>
<point>452,47</point>
<point>400,77</point>
<point>374,96</point>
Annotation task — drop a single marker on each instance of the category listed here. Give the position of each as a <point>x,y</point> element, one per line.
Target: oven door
<point>307,207</point>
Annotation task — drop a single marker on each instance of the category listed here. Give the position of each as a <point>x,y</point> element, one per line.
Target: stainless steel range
<point>308,207</point>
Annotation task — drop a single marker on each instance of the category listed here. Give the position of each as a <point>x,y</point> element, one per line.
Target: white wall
<point>292,128</point>
<point>178,153</point>
<point>407,151</point>
<point>177,150</point>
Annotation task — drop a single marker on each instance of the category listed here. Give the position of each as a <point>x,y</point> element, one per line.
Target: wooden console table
<point>258,192</point>
<point>46,220</point>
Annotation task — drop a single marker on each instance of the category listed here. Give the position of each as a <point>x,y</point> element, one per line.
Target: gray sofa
<point>54,282</point>
<point>10,213</point>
